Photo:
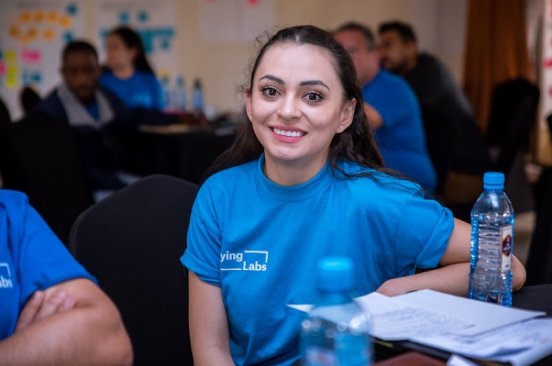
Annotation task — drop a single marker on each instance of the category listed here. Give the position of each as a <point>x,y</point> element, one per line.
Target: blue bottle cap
<point>493,180</point>
<point>335,274</point>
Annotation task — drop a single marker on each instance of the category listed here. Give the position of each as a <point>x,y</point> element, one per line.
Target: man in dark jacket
<point>91,112</point>
<point>453,138</point>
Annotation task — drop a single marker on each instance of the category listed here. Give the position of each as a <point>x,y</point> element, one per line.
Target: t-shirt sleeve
<point>423,233</point>
<point>42,261</point>
<point>202,255</point>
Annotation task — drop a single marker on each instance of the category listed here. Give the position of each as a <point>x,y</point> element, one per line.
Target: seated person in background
<point>391,107</point>
<point>127,72</point>
<point>253,241</point>
<point>51,311</point>
<point>453,139</point>
<point>98,117</point>
<point>91,111</point>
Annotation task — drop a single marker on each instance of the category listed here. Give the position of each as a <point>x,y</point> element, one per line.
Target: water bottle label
<point>507,244</point>
<point>318,356</point>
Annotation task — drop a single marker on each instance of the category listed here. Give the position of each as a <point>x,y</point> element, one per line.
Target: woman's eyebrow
<point>303,83</point>
<point>273,78</point>
<point>314,82</point>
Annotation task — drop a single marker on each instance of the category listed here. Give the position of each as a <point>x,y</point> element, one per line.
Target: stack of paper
<point>459,325</point>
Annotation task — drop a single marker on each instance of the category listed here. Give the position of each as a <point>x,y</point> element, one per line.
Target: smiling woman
<point>304,180</point>
<point>296,115</point>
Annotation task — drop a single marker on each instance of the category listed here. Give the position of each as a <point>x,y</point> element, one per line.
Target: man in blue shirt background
<point>391,107</point>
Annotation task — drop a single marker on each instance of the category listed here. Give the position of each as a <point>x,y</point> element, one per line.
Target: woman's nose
<point>289,109</point>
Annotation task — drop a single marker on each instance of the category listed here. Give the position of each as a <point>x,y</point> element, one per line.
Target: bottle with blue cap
<point>337,330</point>
<point>492,243</point>
<point>180,97</point>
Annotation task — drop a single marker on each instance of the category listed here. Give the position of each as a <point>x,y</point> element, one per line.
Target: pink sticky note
<point>31,56</point>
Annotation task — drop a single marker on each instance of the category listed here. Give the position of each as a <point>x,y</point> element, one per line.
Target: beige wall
<point>223,67</point>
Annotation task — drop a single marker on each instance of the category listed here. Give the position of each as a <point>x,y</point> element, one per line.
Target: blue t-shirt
<point>401,139</point>
<point>142,89</point>
<point>260,243</point>
<point>31,258</point>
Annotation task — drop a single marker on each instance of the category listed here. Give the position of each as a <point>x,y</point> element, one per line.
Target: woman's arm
<point>453,276</point>
<point>72,323</point>
<point>208,324</point>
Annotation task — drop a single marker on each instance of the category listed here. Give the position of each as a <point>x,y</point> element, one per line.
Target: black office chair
<point>48,158</point>
<point>539,259</point>
<point>9,170</point>
<point>29,98</point>
<point>132,242</point>
<point>513,116</point>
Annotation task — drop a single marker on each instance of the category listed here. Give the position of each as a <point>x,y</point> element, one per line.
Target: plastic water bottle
<point>492,243</point>
<point>337,330</point>
<point>167,100</point>
<point>197,97</point>
<point>180,97</point>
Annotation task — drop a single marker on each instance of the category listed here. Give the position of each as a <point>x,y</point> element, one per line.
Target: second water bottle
<point>337,331</point>
<point>492,243</point>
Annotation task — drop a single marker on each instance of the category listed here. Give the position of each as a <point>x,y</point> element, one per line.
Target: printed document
<point>459,325</point>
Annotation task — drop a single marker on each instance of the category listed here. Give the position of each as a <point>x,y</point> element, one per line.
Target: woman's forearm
<point>452,279</point>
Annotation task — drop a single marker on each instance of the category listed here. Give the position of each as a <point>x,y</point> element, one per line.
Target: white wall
<point>223,66</point>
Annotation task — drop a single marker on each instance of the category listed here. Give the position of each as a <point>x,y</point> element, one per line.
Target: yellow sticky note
<point>65,21</point>
<point>49,34</point>
<point>12,73</point>
<point>14,31</point>
<point>25,16</point>
<point>11,57</point>
<point>38,16</point>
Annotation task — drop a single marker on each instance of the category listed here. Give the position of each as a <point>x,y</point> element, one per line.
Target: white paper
<point>459,325</point>
<point>484,316</point>
<point>456,360</point>
<point>519,344</point>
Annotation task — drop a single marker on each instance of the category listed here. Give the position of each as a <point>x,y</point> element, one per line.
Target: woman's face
<point>118,54</point>
<point>296,107</point>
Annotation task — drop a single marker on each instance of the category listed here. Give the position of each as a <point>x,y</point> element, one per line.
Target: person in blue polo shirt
<point>304,180</point>
<point>391,107</point>
<point>51,311</point>
<point>127,72</point>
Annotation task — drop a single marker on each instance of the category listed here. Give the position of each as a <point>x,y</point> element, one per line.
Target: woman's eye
<point>313,97</point>
<point>269,91</point>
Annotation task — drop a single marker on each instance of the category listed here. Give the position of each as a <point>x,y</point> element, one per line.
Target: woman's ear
<point>248,103</point>
<point>347,115</point>
<point>133,54</point>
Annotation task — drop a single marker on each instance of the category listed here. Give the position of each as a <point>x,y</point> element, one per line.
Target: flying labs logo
<point>248,260</point>
<point>5,276</point>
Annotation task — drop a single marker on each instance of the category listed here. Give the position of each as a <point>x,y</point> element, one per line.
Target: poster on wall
<point>32,37</point>
<point>235,20</point>
<point>153,20</point>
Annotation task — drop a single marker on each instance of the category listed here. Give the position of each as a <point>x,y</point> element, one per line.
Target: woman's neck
<point>291,174</point>
<point>123,72</point>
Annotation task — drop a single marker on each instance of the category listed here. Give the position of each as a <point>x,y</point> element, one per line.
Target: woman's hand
<point>395,286</point>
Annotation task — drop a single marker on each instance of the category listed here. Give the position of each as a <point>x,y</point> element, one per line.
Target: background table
<point>182,151</point>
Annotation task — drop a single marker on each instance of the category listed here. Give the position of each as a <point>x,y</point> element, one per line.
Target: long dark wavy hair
<point>132,40</point>
<point>356,143</point>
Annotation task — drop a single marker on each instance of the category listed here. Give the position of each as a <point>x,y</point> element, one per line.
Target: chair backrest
<point>49,160</point>
<point>29,98</point>
<point>132,242</point>
<point>513,115</point>
<point>10,172</point>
